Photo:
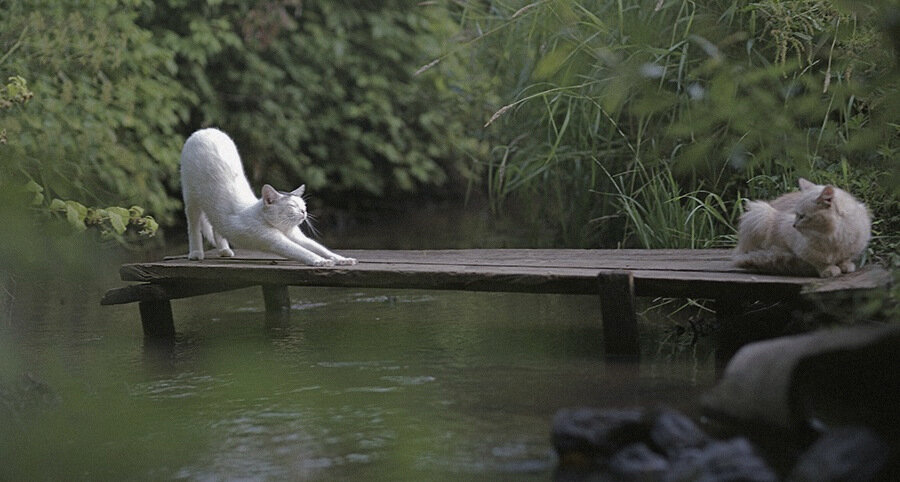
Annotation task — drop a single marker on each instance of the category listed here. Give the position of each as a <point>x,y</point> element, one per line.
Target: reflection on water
<point>368,385</point>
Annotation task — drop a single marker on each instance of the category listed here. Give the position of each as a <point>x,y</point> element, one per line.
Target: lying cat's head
<point>283,210</point>
<point>818,208</point>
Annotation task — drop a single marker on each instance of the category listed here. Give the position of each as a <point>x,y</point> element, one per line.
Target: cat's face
<point>816,211</point>
<point>283,210</point>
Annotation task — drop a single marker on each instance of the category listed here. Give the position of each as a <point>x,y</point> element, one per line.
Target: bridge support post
<point>277,301</point>
<point>156,318</point>
<point>620,334</point>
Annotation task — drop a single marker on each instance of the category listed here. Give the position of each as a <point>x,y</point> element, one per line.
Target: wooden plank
<point>487,255</point>
<point>620,333</point>
<point>696,260</point>
<point>467,278</point>
<point>656,273</point>
<point>167,291</point>
<point>868,277</point>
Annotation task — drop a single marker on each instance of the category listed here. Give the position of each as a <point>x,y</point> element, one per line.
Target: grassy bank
<point>645,123</point>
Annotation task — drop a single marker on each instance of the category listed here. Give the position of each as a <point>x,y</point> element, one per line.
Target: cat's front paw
<point>342,261</point>
<point>226,253</point>
<point>847,267</point>
<point>322,262</point>
<point>829,271</point>
<point>195,255</point>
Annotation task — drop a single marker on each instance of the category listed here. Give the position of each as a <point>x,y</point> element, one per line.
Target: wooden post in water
<point>156,318</point>
<point>620,335</point>
<point>277,301</point>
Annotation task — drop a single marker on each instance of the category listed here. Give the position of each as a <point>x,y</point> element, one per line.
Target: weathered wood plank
<point>470,278</point>
<point>697,260</point>
<point>866,278</point>
<point>495,254</point>
<point>671,273</point>
<point>167,291</point>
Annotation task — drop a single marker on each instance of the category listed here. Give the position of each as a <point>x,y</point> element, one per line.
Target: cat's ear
<point>825,197</point>
<point>299,191</point>
<point>804,184</point>
<point>269,194</point>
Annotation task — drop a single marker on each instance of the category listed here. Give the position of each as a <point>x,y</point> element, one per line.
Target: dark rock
<point>843,454</point>
<point>637,462</point>
<point>673,432</point>
<point>732,460</point>
<point>581,434</point>
<point>839,376</point>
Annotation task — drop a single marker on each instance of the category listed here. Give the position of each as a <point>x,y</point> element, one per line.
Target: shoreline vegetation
<point>591,123</point>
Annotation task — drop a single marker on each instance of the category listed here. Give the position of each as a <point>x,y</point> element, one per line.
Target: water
<point>357,385</point>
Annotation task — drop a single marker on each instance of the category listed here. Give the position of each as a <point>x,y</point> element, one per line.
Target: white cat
<point>221,207</point>
<point>817,230</point>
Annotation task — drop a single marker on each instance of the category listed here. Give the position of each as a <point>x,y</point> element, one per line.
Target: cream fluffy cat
<point>816,230</point>
<point>221,207</point>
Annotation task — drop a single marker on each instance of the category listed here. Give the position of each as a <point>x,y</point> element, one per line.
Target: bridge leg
<point>277,301</point>
<point>620,334</point>
<point>156,318</point>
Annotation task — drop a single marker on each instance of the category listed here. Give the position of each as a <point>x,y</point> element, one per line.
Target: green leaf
<point>119,211</point>
<point>117,220</point>
<point>75,216</point>
<point>57,205</point>
<point>33,187</point>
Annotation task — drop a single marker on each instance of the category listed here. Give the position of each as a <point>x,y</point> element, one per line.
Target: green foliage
<point>322,93</point>
<point>101,126</point>
<point>702,95</point>
<point>325,94</point>
<point>15,92</point>
<point>111,222</point>
<point>659,215</point>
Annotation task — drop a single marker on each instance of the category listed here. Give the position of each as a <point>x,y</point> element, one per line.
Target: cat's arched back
<point>212,173</point>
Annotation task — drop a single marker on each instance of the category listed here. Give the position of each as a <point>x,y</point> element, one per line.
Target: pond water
<point>358,385</point>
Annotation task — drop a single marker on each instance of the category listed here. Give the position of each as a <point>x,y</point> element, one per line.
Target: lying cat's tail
<point>775,261</point>
<point>768,260</point>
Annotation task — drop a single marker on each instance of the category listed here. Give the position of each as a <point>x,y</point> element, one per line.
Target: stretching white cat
<point>221,207</point>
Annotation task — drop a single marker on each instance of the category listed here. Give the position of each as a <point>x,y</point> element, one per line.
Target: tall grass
<point>648,117</point>
<point>658,214</point>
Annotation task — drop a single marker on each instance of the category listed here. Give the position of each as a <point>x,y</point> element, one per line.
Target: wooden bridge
<point>616,276</point>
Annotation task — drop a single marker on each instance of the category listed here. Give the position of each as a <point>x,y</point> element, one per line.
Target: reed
<point>645,119</point>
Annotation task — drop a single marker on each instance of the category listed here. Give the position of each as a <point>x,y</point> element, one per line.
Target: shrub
<point>100,129</point>
<point>322,93</point>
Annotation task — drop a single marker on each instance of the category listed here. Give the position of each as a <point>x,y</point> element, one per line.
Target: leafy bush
<point>322,93</point>
<point>101,128</point>
<point>319,93</point>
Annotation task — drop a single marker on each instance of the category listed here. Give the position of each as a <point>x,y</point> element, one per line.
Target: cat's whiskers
<point>308,221</point>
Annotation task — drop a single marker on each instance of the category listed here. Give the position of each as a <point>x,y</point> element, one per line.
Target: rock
<point>585,434</point>
<point>843,454</point>
<point>732,460</point>
<point>637,462</point>
<point>840,376</point>
<point>673,432</point>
